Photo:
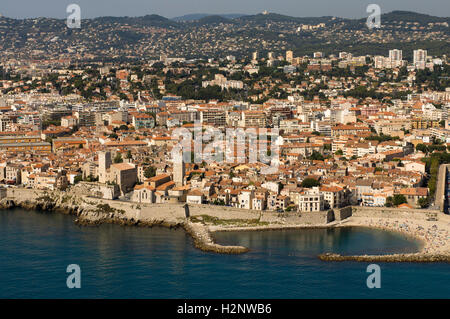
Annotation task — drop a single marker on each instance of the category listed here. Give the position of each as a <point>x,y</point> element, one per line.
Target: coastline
<point>434,235</point>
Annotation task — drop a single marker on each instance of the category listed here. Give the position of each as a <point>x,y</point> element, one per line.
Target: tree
<point>422,148</point>
<point>219,202</point>
<point>91,179</point>
<point>424,202</point>
<point>150,172</point>
<point>389,201</point>
<point>310,183</point>
<point>129,156</point>
<point>316,156</point>
<point>77,179</point>
<point>382,138</point>
<point>399,199</point>
<point>118,158</point>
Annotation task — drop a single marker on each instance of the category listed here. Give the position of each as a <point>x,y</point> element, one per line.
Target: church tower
<point>104,163</point>
<point>178,166</point>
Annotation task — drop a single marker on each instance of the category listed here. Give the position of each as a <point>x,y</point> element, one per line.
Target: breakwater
<point>412,258</point>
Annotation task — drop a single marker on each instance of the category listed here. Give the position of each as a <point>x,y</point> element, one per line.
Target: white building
<point>420,58</point>
<point>246,199</point>
<point>224,83</point>
<point>311,201</point>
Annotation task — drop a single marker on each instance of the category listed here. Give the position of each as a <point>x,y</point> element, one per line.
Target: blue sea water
<point>133,262</point>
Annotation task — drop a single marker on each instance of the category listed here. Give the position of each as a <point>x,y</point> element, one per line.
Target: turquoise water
<point>132,262</point>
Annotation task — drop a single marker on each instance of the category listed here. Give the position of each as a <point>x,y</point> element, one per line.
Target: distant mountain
<point>199,16</point>
<point>211,20</point>
<point>275,17</point>
<point>408,16</point>
<point>147,20</point>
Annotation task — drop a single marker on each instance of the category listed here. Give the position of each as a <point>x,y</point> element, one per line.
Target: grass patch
<point>210,220</point>
<point>106,209</point>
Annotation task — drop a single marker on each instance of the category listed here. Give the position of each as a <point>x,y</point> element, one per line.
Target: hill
<point>199,16</point>
<point>150,36</point>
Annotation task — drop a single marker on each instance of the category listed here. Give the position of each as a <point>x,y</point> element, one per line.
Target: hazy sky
<point>173,8</point>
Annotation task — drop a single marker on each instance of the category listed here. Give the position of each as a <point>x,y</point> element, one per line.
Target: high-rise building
<point>420,55</point>
<point>380,62</point>
<point>289,56</point>
<point>395,55</point>
<point>270,55</point>
<point>255,56</point>
<point>420,58</point>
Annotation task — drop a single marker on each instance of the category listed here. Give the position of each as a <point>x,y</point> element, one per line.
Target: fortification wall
<point>96,190</point>
<point>23,194</point>
<point>384,212</point>
<point>230,213</point>
<point>176,213</point>
<point>343,213</point>
<point>223,212</point>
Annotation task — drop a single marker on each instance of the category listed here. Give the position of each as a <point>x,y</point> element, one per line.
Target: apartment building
<point>311,201</point>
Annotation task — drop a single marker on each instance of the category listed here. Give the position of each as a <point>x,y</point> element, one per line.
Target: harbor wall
<point>384,212</point>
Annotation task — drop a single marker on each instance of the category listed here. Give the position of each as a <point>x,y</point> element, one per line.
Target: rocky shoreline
<point>95,213</point>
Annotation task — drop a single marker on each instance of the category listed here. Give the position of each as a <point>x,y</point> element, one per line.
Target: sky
<point>174,8</point>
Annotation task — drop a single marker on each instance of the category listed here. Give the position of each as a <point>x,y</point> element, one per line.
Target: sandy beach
<point>433,234</point>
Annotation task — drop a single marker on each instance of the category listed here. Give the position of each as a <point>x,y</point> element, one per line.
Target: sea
<point>37,248</point>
